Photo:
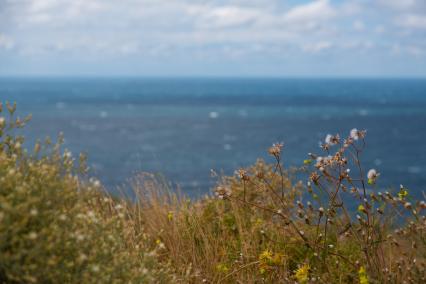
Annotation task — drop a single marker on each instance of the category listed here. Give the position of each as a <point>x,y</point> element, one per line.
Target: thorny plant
<point>388,229</point>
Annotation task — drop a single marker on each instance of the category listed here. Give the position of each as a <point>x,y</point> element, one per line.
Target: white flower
<point>354,134</point>
<point>67,154</point>
<point>32,235</point>
<point>372,174</point>
<point>332,140</point>
<point>95,268</point>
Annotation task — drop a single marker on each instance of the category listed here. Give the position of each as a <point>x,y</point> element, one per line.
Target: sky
<point>270,38</point>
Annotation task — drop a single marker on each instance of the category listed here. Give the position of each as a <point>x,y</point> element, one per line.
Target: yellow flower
<point>265,256</point>
<point>403,192</point>
<point>302,274</point>
<point>170,215</point>
<point>361,208</point>
<point>362,274</point>
<point>222,267</point>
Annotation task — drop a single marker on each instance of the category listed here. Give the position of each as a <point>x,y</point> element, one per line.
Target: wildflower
<point>302,274</point>
<point>403,192</point>
<point>67,154</point>
<point>82,257</point>
<point>372,175</point>
<point>17,145</point>
<point>222,267</point>
<point>170,215</point>
<point>242,174</point>
<point>222,192</point>
<point>354,134</point>
<point>407,205</point>
<point>95,268</point>
<point>361,209</point>
<point>32,235</point>
<point>307,162</point>
<point>332,140</point>
<point>265,256</point>
<point>275,149</point>
<point>362,274</point>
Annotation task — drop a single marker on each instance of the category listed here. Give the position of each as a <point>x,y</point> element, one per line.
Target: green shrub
<point>58,228</point>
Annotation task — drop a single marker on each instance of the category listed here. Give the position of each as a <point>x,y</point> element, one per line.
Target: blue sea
<point>183,128</point>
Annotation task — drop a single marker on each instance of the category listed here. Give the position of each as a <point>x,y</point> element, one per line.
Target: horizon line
<point>230,77</point>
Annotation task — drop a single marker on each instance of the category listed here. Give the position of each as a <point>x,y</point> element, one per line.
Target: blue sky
<point>314,38</point>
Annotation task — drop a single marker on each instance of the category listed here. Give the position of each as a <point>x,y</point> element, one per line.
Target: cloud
<point>413,21</point>
<point>223,16</point>
<point>217,30</point>
<point>358,25</point>
<point>314,11</point>
<point>317,46</point>
<point>6,42</point>
<point>399,4</point>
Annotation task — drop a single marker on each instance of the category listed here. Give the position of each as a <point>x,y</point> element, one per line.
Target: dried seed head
<point>332,140</point>
<point>242,174</point>
<point>275,149</point>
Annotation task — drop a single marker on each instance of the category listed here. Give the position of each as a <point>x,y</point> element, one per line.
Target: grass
<point>260,226</point>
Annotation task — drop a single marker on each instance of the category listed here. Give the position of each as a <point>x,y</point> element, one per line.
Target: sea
<point>183,128</point>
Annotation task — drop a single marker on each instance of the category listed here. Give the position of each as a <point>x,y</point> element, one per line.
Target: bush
<point>58,228</point>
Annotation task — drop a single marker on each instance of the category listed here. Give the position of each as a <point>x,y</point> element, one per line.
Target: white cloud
<point>413,21</point>
<point>6,42</point>
<point>415,50</point>
<point>317,46</point>
<point>213,29</point>
<point>398,4</point>
<point>358,25</point>
<point>314,11</point>
<point>223,16</point>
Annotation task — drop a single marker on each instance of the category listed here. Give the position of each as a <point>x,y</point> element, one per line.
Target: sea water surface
<point>183,128</point>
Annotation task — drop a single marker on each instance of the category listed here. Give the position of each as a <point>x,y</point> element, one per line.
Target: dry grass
<point>259,227</point>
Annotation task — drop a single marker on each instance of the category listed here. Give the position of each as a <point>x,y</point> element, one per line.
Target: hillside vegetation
<point>261,225</point>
